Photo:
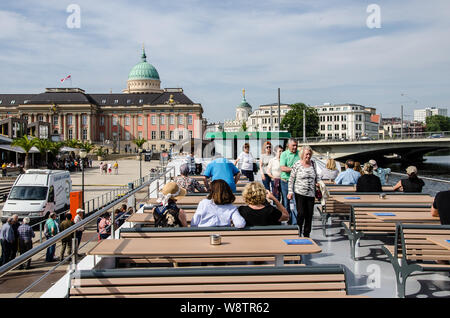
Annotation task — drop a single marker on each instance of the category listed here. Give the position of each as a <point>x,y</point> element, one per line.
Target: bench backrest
<point>412,246</point>
<point>254,282</point>
<point>206,231</point>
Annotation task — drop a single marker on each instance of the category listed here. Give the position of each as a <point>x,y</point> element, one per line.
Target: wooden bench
<point>234,282</point>
<point>335,208</point>
<point>152,232</point>
<point>413,252</point>
<point>361,224</point>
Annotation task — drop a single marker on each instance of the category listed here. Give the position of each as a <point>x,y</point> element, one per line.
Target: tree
<point>73,143</point>
<point>244,126</point>
<point>139,142</point>
<point>26,144</point>
<point>55,147</point>
<point>86,146</point>
<point>437,123</point>
<point>293,121</point>
<point>44,146</point>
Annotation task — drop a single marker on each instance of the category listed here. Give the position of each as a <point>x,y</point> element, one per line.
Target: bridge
<point>411,149</point>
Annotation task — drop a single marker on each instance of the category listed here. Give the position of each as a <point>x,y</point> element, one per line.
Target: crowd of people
<point>289,176</point>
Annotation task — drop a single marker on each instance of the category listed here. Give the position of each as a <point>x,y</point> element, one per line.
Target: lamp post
<point>83,155</point>
<point>140,165</point>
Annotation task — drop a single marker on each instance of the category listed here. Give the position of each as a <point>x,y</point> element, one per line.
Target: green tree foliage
<point>44,146</point>
<point>244,126</point>
<point>86,146</point>
<point>293,121</point>
<point>139,142</point>
<point>26,144</point>
<point>437,123</point>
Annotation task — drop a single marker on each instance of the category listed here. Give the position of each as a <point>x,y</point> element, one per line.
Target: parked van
<point>36,193</point>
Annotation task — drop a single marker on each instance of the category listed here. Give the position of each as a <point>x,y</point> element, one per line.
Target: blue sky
<point>315,51</point>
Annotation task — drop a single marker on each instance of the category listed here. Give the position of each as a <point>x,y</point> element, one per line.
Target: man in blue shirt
<point>7,240</point>
<point>349,176</point>
<point>221,168</point>
<point>382,173</point>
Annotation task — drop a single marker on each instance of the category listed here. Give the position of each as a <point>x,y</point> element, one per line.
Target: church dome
<point>143,70</point>
<point>244,103</point>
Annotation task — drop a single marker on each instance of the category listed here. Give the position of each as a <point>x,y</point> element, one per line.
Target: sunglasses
<point>268,147</point>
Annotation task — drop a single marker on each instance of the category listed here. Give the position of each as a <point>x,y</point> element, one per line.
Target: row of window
<point>162,135</point>
<point>115,120</point>
<point>331,109</point>
<point>339,127</point>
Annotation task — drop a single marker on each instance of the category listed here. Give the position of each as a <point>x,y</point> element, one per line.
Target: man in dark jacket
<point>67,241</point>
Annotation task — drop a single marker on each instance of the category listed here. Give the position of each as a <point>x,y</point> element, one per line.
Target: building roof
<point>121,99</point>
<point>143,70</point>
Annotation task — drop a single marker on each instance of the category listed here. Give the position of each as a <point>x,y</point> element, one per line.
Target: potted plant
<point>100,152</point>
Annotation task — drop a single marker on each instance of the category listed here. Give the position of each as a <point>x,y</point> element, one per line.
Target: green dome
<point>143,70</point>
<point>244,104</point>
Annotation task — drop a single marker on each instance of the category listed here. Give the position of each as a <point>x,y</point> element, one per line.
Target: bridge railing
<point>374,137</point>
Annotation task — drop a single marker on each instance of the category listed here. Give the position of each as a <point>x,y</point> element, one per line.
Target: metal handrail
<point>426,178</point>
<point>24,257</point>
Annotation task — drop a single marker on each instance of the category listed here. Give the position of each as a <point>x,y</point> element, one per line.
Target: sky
<point>315,51</point>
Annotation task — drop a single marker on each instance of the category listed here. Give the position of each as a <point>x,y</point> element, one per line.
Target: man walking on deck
<point>287,160</point>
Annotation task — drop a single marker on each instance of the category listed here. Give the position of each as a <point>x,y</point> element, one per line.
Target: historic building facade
<point>143,110</point>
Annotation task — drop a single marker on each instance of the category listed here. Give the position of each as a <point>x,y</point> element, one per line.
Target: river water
<point>436,165</point>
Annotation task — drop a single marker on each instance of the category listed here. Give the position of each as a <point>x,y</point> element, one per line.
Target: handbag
<point>255,168</point>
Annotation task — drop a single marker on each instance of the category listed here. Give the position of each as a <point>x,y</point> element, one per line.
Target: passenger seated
<point>188,183</point>
<point>412,183</point>
<point>258,210</point>
<point>217,209</point>
<point>349,176</point>
<point>168,214</point>
<point>368,182</point>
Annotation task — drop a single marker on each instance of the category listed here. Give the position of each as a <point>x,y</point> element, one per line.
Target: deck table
<point>389,199</point>
<point>440,240</point>
<point>404,217</point>
<point>201,247</point>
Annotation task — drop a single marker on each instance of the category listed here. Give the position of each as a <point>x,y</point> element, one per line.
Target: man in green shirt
<point>51,230</point>
<point>287,160</point>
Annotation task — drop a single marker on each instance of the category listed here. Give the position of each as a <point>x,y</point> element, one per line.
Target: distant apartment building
<point>420,115</point>
<point>391,127</point>
<point>347,121</point>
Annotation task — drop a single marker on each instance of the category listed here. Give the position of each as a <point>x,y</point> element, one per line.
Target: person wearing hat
<point>78,218</point>
<point>382,173</point>
<point>410,184</point>
<point>168,214</point>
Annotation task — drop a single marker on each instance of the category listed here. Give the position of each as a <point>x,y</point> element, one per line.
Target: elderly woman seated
<point>188,183</point>
<point>258,210</point>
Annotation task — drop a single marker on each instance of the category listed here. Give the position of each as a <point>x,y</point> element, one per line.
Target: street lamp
<point>83,154</point>
<point>140,164</point>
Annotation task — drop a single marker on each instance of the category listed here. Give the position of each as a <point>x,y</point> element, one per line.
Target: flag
<point>62,80</point>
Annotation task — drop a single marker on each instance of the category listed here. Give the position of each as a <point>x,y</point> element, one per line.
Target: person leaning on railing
<point>410,184</point>
<point>258,210</point>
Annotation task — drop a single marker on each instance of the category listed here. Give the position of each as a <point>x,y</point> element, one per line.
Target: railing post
<point>40,232</point>
<point>113,224</point>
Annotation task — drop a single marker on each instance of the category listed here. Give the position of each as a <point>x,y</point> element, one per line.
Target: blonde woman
<point>302,184</point>
<point>258,211</point>
<point>330,172</point>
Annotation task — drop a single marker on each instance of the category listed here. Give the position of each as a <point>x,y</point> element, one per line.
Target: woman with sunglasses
<point>247,162</point>
<point>266,156</point>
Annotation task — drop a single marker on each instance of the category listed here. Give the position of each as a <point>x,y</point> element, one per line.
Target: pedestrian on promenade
<point>67,241</point>
<point>222,168</point>
<point>410,184</point>
<point>349,176</point>
<point>101,167</point>
<point>382,173</point>
<point>78,218</point>
<point>15,226</point>
<point>274,172</point>
<point>287,160</point>
<point>266,156</point>
<point>246,159</point>
<point>51,229</point>
<point>330,172</point>
<point>7,240</point>
<point>302,183</point>
<point>109,168</point>
<point>26,235</point>
<point>116,167</point>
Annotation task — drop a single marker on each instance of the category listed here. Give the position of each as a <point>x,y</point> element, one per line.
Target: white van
<point>37,192</point>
